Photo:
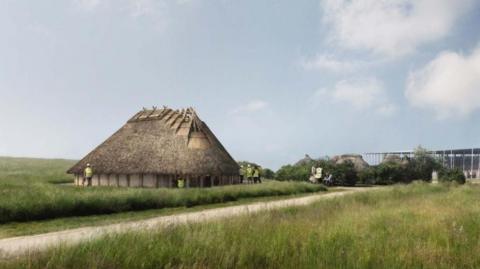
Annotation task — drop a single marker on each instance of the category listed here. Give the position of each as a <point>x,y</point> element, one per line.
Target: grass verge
<point>415,226</point>
<point>27,193</point>
<point>59,224</point>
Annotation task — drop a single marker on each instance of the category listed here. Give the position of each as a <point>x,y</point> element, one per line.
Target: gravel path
<point>15,246</point>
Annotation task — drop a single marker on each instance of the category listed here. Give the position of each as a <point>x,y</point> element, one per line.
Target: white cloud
<point>364,94</point>
<point>250,107</point>
<point>391,27</point>
<point>328,62</point>
<point>360,94</point>
<point>449,85</point>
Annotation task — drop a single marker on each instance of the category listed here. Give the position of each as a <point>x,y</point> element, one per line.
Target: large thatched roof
<point>161,141</point>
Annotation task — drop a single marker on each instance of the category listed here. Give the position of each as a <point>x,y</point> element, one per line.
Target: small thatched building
<point>391,158</point>
<point>307,160</point>
<point>357,160</point>
<point>155,148</point>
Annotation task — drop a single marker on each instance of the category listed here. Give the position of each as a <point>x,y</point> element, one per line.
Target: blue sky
<point>273,79</point>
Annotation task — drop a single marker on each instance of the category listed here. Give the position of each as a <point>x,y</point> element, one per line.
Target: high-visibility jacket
<point>181,183</point>
<point>88,172</point>
<point>318,173</point>
<point>256,172</point>
<point>249,172</point>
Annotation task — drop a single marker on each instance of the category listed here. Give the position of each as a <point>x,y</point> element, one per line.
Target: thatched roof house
<point>357,160</point>
<point>307,160</point>
<point>155,148</point>
<point>391,158</point>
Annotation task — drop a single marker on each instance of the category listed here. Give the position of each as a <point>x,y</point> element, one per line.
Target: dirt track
<point>16,246</point>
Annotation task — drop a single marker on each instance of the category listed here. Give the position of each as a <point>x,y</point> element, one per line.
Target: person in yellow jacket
<point>249,174</point>
<point>256,175</point>
<point>181,183</point>
<point>87,175</point>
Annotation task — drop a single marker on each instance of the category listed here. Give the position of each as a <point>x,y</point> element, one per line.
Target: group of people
<point>251,173</point>
<point>316,176</point>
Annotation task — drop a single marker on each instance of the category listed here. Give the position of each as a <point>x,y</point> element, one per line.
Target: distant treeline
<point>396,170</point>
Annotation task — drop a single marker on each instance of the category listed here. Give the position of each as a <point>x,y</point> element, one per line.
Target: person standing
<point>87,175</point>
<point>313,171</point>
<point>242,174</point>
<point>181,183</point>
<point>249,174</point>
<point>318,175</point>
<point>328,181</point>
<point>256,175</point>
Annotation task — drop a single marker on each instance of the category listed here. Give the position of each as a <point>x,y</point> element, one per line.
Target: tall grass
<point>27,193</point>
<point>416,226</point>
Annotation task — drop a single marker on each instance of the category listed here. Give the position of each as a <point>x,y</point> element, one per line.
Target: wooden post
<point>478,167</point>
<point>471,165</point>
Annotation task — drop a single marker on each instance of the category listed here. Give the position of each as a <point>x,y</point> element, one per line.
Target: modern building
<point>467,159</point>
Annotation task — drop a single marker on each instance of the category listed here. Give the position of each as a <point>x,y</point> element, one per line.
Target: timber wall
<point>156,181</point>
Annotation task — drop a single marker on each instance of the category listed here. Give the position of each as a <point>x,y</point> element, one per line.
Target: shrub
<point>344,173</point>
<point>406,170</point>
<point>422,165</point>
<point>367,176</point>
<point>293,172</point>
<point>419,167</point>
<point>391,172</point>
<point>268,173</point>
<point>451,175</point>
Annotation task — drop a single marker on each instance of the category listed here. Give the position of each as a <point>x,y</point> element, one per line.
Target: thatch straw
<point>357,160</point>
<point>305,161</point>
<point>391,158</point>
<point>161,141</point>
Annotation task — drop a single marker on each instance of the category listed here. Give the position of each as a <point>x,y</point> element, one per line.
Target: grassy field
<point>29,190</point>
<point>415,226</point>
<point>44,226</point>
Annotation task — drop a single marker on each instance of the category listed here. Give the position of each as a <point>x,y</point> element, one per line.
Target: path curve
<point>16,246</point>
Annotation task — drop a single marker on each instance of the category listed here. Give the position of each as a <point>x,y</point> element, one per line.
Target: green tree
<point>422,165</point>
<point>293,172</point>
<point>344,173</point>
<point>268,173</point>
<point>452,175</point>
